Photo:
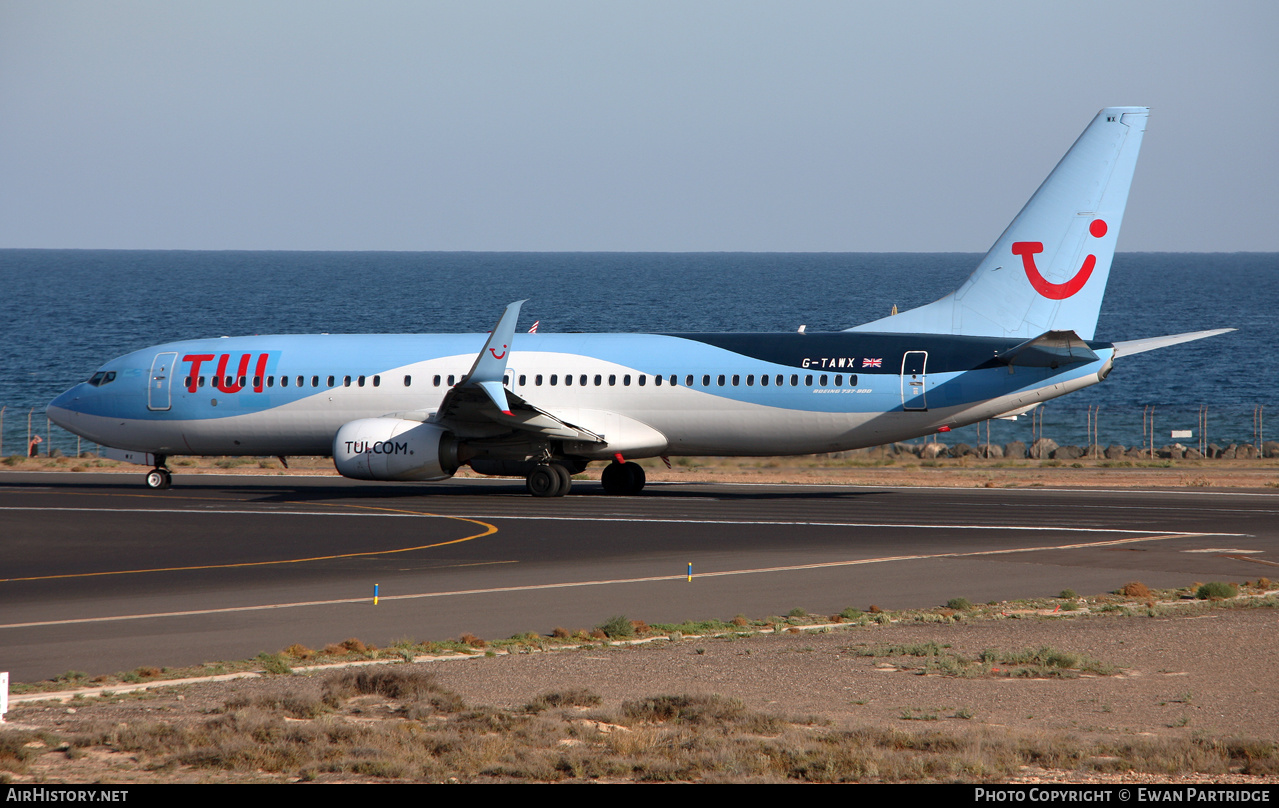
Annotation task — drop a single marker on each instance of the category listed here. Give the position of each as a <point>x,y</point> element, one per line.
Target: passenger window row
<point>720,380</point>
<point>553,380</point>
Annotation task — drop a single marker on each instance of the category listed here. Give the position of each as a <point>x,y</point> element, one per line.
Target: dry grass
<point>323,731</point>
<point>1135,589</point>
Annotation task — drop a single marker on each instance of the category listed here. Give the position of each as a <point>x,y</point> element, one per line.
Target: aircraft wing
<point>480,401</point>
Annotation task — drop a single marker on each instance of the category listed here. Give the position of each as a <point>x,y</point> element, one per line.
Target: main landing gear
<point>549,480</point>
<point>624,479</point>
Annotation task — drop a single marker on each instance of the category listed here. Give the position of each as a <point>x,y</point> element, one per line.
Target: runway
<point>100,575</point>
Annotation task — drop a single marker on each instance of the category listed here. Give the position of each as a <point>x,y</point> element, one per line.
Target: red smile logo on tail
<point>1057,291</point>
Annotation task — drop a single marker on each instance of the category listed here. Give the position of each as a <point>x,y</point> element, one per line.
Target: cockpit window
<point>102,377</point>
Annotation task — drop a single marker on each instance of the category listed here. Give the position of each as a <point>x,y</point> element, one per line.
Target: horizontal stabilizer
<point>1050,350</point>
<point>1137,346</point>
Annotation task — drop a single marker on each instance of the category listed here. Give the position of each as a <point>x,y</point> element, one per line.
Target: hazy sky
<point>804,126</point>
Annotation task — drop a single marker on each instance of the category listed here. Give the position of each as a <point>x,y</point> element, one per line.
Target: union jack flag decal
<point>873,363</point>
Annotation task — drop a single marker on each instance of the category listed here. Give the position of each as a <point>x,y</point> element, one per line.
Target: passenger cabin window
<point>808,380</point>
<point>537,380</point>
<point>257,382</point>
<point>721,380</point>
<point>201,381</point>
<point>598,380</point>
<point>451,377</point>
<point>360,381</point>
<point>437,380</point>
<point>554,379</point>
<point>284,381</point>
<point>377,381</point>
<point>839,380</point>
<point>763,380</point>
<point>315,381</point>
<point>823,380</point>
<point>568,379</point>
<point>332,379</point>
<point>736,380</point>
<point>626,380</point>
<point>706,380</point>
<point>346,381</point>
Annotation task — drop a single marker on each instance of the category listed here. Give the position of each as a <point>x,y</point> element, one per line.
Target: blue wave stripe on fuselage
<point>951,361</point>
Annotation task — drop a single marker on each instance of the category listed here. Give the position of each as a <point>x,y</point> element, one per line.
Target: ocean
<point>68,311</point>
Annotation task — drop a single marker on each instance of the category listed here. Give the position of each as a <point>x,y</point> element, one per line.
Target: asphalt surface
<point>98,574</point>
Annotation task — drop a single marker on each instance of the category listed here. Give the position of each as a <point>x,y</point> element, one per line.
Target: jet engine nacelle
<point>394,449</point>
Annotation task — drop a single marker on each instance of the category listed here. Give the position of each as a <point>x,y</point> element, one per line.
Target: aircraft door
<point>159,380</point>
<point>913,380</point>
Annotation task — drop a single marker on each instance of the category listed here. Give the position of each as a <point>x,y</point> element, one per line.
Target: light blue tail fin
<point>1048,270</point>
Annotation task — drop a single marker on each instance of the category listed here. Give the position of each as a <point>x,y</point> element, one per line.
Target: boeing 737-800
<point>543,406</point>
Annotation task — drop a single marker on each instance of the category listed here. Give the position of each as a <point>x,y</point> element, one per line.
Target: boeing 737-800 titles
<point>543,406</point>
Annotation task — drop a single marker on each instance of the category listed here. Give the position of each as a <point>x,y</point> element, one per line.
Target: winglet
<point>490,366</point>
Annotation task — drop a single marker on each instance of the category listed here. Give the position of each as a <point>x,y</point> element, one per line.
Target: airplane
<point>418,407</point>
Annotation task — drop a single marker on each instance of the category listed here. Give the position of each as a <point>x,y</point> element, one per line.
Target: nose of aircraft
<point>62,409</point>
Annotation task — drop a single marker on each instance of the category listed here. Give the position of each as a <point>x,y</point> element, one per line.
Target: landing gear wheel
<point>623,479</point>
<point>159,479</point>
<point>544,481</point>
<point>638,478</point>
<point>566,479</point>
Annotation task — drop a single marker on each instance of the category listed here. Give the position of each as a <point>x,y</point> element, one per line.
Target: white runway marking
<point>642,519</point>
<point>604,582</point>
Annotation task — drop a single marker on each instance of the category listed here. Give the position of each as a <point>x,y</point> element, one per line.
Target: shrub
<point>959,604</point>
<point>274,663</point>
<point>1216,590</point>
<point>563,698</point>
<point>617,627</point>
<point>1135,589</point>
<point>1068,594</point>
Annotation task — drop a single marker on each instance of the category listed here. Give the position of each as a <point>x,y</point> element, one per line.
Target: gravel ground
<point>1203,673</point>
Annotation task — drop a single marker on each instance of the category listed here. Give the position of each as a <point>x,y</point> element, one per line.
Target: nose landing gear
<point>159,478</point>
